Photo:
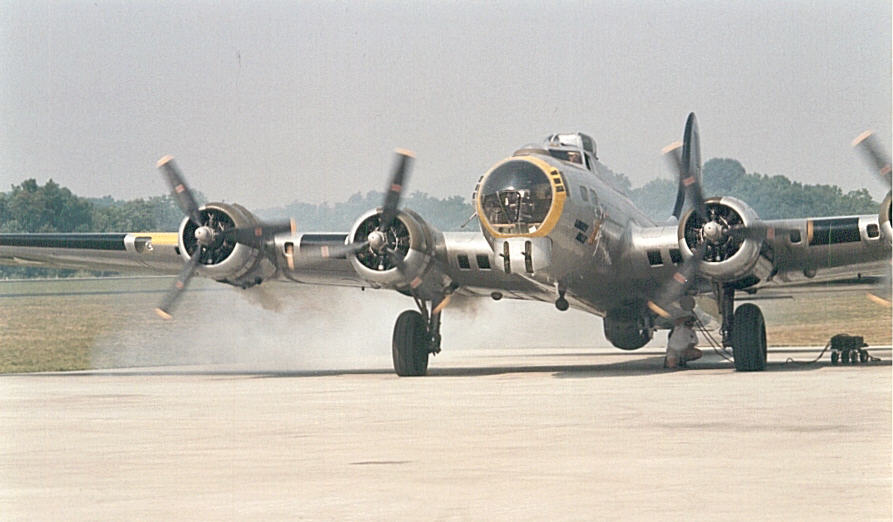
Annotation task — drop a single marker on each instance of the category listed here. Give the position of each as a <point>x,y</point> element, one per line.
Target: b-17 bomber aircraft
<point>552,229</point>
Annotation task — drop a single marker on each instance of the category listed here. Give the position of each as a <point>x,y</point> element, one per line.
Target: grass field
<point>101,323</point>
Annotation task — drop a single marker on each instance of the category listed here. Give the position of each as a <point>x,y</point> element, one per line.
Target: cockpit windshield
<point>516,197</point>
<point>572,156</point>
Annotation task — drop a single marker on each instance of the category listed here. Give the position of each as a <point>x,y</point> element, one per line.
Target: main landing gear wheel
<point>749,339</point>
<point>410,347</point>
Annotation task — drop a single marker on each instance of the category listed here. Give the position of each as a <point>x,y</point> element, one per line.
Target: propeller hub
<point>204,235</point>
<point>378,240</point>
<point>713,232</point>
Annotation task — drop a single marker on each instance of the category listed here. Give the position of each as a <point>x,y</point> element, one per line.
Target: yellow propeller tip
<point>671,147</point>
<point>405,152</point>
<point>164,161</point>
<point>862,137</point>
<point>441,305</point>
<point>162,314</point>
<point>658,310</point>
<point>878,299</point>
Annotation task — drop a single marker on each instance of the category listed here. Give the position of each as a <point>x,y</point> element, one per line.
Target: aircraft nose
<point>518,196</point>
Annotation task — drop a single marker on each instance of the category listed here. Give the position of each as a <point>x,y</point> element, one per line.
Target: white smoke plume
<point>300,327</point>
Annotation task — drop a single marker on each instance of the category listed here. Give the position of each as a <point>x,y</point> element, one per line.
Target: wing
<point>725,246</point>
<point>386,248</point>
<point>145,252</point>
<point>465,259</point>
<point>825,249</point>
<point>432,264</point>
<point>775,253</point>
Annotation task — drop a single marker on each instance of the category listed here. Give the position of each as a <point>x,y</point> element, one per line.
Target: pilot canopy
<point>578,140</point>
<point>577,148</point>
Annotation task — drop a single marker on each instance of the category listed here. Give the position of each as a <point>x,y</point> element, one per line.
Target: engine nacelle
<point>411,238</point>
<point>727,257</point>
<point>225,260</point>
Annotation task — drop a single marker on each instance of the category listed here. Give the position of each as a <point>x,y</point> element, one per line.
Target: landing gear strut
<point>416,335</point>
<point>561,303</point>
<point>744,330</point>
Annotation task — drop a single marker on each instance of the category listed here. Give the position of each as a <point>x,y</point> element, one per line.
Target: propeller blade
<point>179,190</point>
<point>673,155</point>
<point>309,259</point>
<point>760,231</point>
<point>690,162</point>
<point>882,293</point>
<point>442,304</point>
<point>395,188</point>
<point>396,258</point>
<point>329,252</point>
<point>685,159</point>
<point>687,165</point>
<point>868,146</point>
<point>257,235</point>
<point>164,309</point>
<point>678,285</point>
<point>346,250</point>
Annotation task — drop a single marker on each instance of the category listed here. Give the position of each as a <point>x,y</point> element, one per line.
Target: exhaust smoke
<point>301,328</point>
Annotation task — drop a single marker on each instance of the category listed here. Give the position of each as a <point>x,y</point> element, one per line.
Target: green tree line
<point>771,197</point>
<point>444,214</point>
<point>30,207</point>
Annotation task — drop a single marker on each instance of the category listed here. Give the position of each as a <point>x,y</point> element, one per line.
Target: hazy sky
<point>266,103</point>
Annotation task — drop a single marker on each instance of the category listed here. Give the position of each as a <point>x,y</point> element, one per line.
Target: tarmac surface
<point>489,434</point>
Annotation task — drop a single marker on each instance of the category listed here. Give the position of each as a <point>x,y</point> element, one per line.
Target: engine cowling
<point>224,260</point>
<point>726,257</point>
<point>409,236</point>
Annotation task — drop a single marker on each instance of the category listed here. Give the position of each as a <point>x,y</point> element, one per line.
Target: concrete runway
<point>508,434</point>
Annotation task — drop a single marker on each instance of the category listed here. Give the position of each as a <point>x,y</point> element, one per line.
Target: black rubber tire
<point>749,339</point>
<point>834,357</point>
<point>410,345</point>
<point>863,356</point>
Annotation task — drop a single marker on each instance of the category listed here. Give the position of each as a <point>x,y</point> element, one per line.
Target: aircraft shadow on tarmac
<point>652,364</point>
<point>632,368</point>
